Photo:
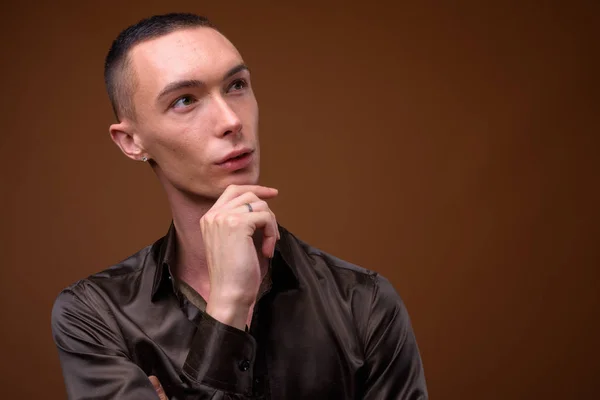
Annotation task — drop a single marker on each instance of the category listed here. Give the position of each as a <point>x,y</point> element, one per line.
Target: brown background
<point>452,148</point>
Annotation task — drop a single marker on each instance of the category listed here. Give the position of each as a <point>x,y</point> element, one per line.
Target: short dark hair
<point>118,79</point>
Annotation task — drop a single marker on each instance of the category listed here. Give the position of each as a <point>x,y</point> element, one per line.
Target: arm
<point>96,365</point>
<point>93,356</point>
<point>222,354</point>
<point>220,362</point>
<point>395,370</point>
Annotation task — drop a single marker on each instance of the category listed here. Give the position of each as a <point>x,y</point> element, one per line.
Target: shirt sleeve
<point>395,369</point>
<point>96,365</point>
<point>221,357</point>
<point>92,354</point>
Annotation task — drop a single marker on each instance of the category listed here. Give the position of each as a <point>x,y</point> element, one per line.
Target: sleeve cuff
<point>221,357</point>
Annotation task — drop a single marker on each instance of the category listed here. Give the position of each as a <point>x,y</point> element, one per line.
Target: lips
<point>235,155</point>
<point>237,160</point>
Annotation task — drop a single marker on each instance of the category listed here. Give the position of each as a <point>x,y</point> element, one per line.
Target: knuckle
<point>231,220</point>
<point>207,218</point>
<point>229,190</point>
<point>251,196</point>
<point>218,218</point>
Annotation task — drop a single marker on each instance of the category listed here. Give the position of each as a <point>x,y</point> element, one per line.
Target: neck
<point>190,263</point>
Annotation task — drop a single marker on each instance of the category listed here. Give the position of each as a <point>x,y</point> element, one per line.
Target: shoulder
<point>303,256</point>
<point>367,295</point>
<point>310,263</point>
<point>95,291</point>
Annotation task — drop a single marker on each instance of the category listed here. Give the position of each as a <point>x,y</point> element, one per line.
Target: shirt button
<point>244,365</point>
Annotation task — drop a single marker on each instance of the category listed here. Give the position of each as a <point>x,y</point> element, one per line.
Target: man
<point>228,305</point>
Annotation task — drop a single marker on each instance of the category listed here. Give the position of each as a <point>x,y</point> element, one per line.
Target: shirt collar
<point>283,275</point>
<point>164,259</point>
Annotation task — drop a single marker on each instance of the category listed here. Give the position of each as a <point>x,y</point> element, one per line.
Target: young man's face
<point>194,109</point>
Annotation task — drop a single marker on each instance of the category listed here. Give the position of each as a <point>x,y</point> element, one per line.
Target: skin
<point>160,392</point>
<point>223,249</point>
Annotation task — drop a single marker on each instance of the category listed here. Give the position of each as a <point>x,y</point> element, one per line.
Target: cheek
<point>246,108</point>
<point>254,110</point>
<point>179,146</point>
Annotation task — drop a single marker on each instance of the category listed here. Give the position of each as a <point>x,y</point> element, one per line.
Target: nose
<point>228,121</point>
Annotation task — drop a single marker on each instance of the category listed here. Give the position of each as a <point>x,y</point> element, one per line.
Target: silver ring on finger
<point>249,207</point>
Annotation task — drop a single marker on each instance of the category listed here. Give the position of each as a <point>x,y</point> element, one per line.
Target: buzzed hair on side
<point>118,77</point>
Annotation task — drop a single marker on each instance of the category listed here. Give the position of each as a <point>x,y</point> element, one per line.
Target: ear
<point>124,136</point>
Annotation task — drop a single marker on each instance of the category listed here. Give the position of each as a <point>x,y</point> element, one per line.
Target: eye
<point>184,101</point>
<point>238,84</point>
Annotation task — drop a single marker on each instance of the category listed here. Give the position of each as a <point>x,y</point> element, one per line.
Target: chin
<point>211,188</point>
<point>237,178</point>
<point>241,178</point>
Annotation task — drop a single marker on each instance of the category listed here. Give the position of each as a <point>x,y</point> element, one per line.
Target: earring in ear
<point>144,158</point>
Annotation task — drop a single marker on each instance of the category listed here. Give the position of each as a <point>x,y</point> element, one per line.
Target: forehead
<point>197,53</point>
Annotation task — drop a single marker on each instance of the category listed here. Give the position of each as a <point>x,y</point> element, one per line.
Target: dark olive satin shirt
<point>322,329</point>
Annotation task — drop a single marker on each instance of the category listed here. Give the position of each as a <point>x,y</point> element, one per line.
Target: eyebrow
<point>194,83</point>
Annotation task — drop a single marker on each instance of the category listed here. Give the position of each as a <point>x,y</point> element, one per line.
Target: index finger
<point>233,191</point>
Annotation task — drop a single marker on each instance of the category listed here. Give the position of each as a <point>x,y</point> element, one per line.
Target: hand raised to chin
<point>233,261</point>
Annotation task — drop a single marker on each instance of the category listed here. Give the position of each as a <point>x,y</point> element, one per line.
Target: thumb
<point>158,387</point>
